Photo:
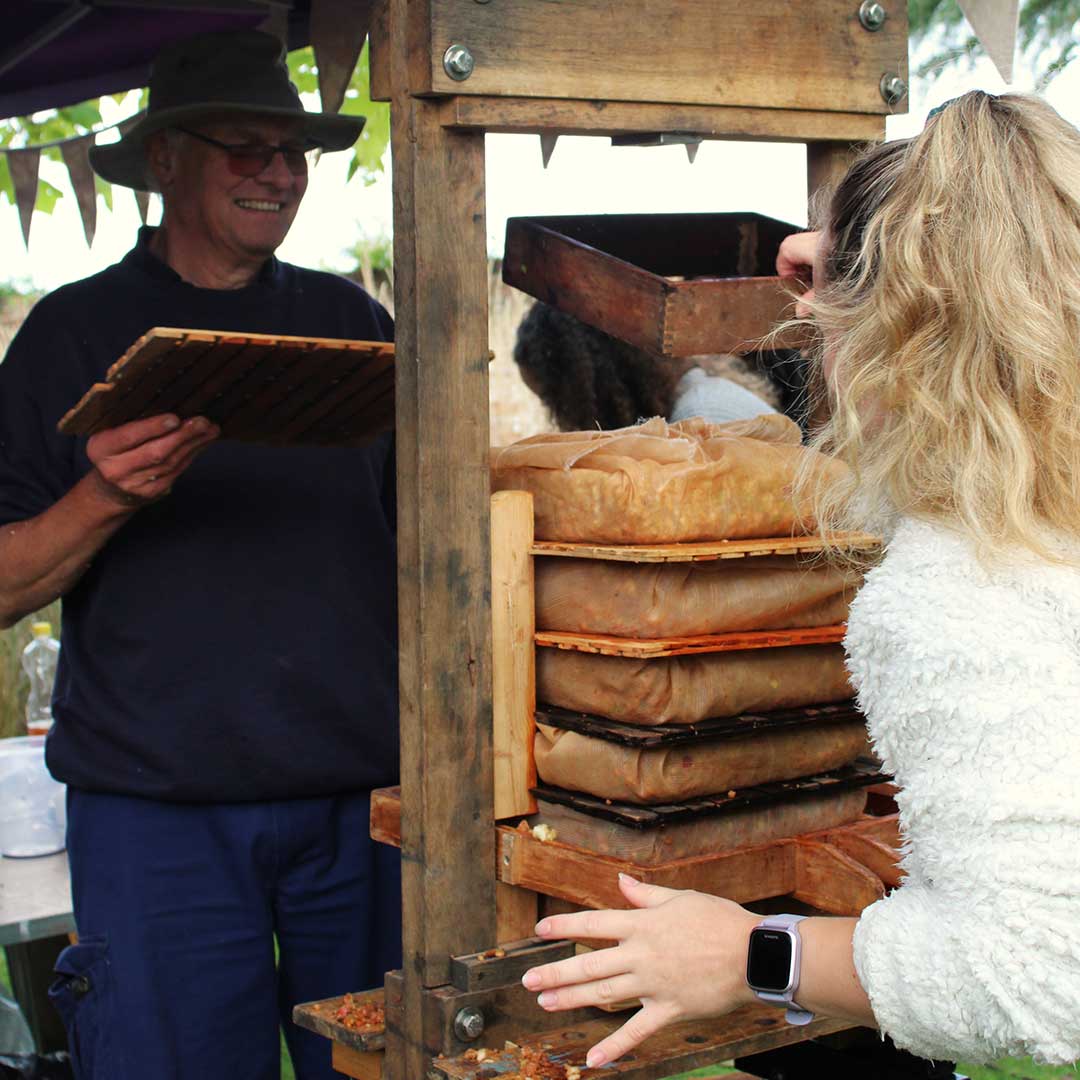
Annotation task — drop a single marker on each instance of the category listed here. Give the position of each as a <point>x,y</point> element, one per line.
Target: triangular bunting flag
<point>23,165</point>
<point>75,153</point>
<point>995,23</point>
<point>338,29</point>
<point>277,23</point>
<point>142,199</point>
<point>547,147</point>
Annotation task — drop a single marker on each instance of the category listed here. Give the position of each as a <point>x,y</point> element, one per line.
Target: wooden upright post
<point>440,271</point>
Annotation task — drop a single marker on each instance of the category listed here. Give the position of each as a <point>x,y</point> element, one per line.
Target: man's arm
<point>133,465</point>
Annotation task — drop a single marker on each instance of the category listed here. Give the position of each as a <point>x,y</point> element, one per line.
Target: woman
<point>948,299</point>
<point>588,379</point>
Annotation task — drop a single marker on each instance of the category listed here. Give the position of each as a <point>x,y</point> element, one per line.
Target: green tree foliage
<point>59,124</point>
<point>1048,34</point>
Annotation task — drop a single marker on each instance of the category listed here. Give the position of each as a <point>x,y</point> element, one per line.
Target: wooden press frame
<point>781,72</point>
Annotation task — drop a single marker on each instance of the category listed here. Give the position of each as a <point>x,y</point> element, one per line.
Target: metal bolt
<point>893,88</point>
<point>871,15</point>
<point>458,62</point>
<point>469,1024</point>
<point>483,1</point>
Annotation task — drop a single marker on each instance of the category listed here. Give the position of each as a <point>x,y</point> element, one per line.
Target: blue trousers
<point>177,907</point>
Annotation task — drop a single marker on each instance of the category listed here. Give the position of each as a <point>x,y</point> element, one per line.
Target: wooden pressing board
<point>258,387</point>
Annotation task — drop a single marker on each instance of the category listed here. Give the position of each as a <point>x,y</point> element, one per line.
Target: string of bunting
<point>337,32</point>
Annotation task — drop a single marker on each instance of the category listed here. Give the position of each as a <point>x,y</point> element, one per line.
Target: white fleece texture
<point>970,681</point>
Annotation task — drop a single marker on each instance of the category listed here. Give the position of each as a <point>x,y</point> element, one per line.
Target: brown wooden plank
<point>752,1029</point>
<point>831,881</point>
<point>516,912</point>
<point>356,1064</point>
<point>686,51</point>
<point>385,816</point>
<point>369,409</point>
<point>878,857</point>
<point>591,880</point>
<point>505,963</point>
<point>319,1017</point>
<point>513,626</point>
<point>379,51</point>
<point>545,115</point>
<point>729,317</point>
<point>444,572</point>
<point>652,648</point>
<point>706,551</point>
<point>199,365</point>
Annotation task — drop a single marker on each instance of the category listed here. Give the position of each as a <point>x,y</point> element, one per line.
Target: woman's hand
<point>683,954</point>
<point>795,259</point>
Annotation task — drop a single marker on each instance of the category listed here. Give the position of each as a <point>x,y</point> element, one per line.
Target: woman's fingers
<point>598,925</point>
<point>642,895</point>
<point>588,967</point>
<point>796,254</point>
<point>589,994</point>
<point>645,1022</point>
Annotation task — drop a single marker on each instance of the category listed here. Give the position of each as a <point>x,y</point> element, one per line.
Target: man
<point>227,691</point>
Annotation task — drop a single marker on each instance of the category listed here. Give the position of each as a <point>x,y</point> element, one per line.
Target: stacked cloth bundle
<point>660,483</point>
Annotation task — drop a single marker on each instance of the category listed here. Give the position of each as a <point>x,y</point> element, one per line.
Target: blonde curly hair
<point>950,319</point>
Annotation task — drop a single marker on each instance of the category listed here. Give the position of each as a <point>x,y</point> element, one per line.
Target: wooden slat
<point>691,51</point>
<point>831,881</point>
<point>516,912</point>
<point>877,856</point>
<point>318,1016</point>
<point>513,625</point>
<point>539,115</point>
<point>505,963</point>
<point>591,880</point>
<point>443,533</point>
<point>355,1064</point>
<point>653,648</point>
<point>708,550</point>
<point>752,1029</point>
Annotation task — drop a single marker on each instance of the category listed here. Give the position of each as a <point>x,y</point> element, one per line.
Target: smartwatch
<point>774,963</point>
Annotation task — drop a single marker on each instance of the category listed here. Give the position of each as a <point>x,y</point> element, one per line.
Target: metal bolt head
<point>871,15</point>
<point>893,88</point>
<point>469,1024</point>
<point>458,62</point>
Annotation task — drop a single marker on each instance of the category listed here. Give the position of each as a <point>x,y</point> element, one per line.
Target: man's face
<point>246,215</point>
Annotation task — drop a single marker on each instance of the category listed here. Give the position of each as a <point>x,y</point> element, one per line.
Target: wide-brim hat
<point>239,71</point>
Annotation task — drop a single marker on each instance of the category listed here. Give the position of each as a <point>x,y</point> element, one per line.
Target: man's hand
<point>138,463</point>
<point>682,953</point>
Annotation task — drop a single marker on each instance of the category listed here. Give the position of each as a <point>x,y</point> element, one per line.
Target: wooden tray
<point>671,284</point>
<point>654,648</point>
<point>318,1016</point>
<point>848,778</point>
<point>260,388</point>
<point>643,736</point>
<point>707,550</point>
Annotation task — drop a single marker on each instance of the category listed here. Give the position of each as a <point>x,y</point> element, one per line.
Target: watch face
<point>768,960</point>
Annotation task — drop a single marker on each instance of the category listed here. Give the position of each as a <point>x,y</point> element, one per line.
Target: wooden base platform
<point>749,1030</point>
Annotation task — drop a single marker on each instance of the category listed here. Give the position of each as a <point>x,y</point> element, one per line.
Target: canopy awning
<point>60,52</point>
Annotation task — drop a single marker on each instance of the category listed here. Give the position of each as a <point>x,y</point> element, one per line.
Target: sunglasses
<point>250,159</point>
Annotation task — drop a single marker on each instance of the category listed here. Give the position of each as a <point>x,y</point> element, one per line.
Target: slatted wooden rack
<point>258,387</point>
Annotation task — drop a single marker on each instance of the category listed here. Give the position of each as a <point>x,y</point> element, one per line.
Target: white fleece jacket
<point>970,681</point>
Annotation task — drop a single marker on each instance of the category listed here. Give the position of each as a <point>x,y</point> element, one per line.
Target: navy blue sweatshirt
<point>237,640</point>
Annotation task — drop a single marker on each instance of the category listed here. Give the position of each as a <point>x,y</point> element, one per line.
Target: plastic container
<point>33,815</point>
<point>39,662</point>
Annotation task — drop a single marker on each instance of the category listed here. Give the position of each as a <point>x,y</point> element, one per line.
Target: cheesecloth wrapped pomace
<point>662,483</point>
<point>660,600</point>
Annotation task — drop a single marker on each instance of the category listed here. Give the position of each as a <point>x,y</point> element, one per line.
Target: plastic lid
<point>41,629</point>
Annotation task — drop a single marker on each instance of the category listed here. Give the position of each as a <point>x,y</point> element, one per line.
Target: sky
<point>585,176</point>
